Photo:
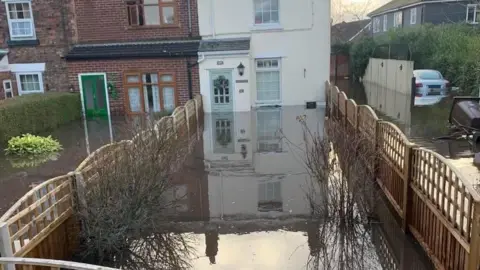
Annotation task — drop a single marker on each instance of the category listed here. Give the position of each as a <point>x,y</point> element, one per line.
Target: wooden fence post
<point>6,249</point>
<point>187,121</point>
<point>473,256</point>
<point>80,190</point>
<point>407,191</point>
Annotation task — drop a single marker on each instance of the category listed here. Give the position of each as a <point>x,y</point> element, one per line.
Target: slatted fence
<point>42,223</point>
<point>434,201</point>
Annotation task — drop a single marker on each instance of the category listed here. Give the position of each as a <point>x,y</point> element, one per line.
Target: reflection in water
<point>263,207</point>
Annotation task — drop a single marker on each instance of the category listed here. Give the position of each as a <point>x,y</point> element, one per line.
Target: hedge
<point>36,113</point>
<point>453,49</point>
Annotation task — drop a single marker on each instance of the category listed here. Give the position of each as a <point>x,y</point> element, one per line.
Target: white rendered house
<point>263,52</point>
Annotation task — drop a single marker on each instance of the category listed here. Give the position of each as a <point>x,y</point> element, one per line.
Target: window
<point>376,25</point>
<point>20,20</point>
<point>268,80</point>
<point>7,88</point>
<point>269,131</point>
<point>397,19</point>
<point>150,92</point>
<point>270,196</point>
<point>413,16</point>
<point>266,11</point>
<point>29,83</point>
<point>385,23</point>
<point>473,15</point>
<point>151,12</point>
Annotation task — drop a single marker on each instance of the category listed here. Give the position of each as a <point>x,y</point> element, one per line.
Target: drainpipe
<point>189,7</point>
<point>212,17</point>
<point>190,77</point>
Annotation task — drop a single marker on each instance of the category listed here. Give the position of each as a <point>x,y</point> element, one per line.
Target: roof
<point>394,4</point>
<point>222,45</point>
<point>345,32</point>
<point>168,48</point>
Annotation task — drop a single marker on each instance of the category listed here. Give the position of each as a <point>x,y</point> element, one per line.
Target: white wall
<point>302,43</point>
<point>234,192</point>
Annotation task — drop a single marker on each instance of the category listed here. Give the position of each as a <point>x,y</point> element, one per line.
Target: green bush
<point>36,113</point>
<point>453,49</point>
<point>29,144</point>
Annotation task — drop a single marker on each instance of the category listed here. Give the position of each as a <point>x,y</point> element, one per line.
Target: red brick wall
<point>55,30</point>
<point>7,76</point>
<point>107,20</point>
<point>115,70</point>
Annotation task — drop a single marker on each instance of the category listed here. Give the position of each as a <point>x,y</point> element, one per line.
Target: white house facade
<point>263,52</point>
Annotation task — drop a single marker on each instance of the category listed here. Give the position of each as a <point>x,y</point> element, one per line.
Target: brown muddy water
<point>244,197</point>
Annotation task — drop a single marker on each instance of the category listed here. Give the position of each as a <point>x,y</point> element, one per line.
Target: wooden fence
<point>42,223</point>
<point>434,201</point>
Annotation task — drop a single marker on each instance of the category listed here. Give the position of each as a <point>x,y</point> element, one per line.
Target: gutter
<point>372,14</point>
<point>359,32</point>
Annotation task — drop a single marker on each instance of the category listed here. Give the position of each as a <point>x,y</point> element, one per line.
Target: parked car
<point>430,86</point>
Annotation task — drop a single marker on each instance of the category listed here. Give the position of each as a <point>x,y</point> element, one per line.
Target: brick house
<point>146,49</point>
<point>34,35</point>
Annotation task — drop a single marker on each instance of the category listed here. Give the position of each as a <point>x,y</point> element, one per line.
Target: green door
<point>94,95</point>
<point>221,87</point>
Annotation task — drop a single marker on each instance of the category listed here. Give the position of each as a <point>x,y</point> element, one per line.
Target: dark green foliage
<point>36,113</point>
<point>453,49</point>
<point>360,52</point>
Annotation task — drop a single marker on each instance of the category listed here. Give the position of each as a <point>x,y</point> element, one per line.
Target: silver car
<point>430,86</point>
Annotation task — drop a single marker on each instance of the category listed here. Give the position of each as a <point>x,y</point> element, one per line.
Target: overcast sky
<point>350,10</point>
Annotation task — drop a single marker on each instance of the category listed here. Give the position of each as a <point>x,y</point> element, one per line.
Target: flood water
<point>251,207</point>
<point>78,139</point>
<point>244,199</point>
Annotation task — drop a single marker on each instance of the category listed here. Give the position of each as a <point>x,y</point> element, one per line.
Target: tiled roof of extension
<point>169,48</point>
<point>394,4</point>
<point>222,45</point>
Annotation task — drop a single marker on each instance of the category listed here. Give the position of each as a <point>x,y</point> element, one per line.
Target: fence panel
<point>444,202</point>
<point>352,113</point>
<point>335,93</point>
<point>393,165</point>
<point>342,106</point>
<point>36,215</point>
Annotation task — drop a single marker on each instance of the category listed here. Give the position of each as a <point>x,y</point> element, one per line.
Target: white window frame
<point>5,88</point>
<point>279,69</point>
<point>385,23</point>
<point>376,25</point>
<point>395,16</point>
<point>263,23</point>
<point>413,15</point>
<point>19,83</point>
<point>10,20</point>
<point>475,9</point>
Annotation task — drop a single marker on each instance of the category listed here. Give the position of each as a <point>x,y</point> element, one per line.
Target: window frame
<point>161,4</point>
<point>385,23</point>
<point>11,21</point>
<point>140,85</point>
<point>19,83</point>
<point>263,23</point>
<point>279,69</point>
<point>395,16</point>
<point>376,24</point>
<point>475,10</point>
<point>5,89</point>
<point>413,15</point>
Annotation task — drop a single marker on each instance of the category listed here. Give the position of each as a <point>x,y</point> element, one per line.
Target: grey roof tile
<point>134,50</point>
<point>221,45</point>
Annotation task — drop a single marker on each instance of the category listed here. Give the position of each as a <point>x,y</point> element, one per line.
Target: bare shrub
<point>341,161</point>
<point>126,203</point>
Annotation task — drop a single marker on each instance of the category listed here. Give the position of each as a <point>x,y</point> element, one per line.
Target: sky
<point>351,10</point>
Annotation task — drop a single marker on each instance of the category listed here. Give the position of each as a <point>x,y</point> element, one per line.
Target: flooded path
<point>251,206</point>
<point>78,139</point>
